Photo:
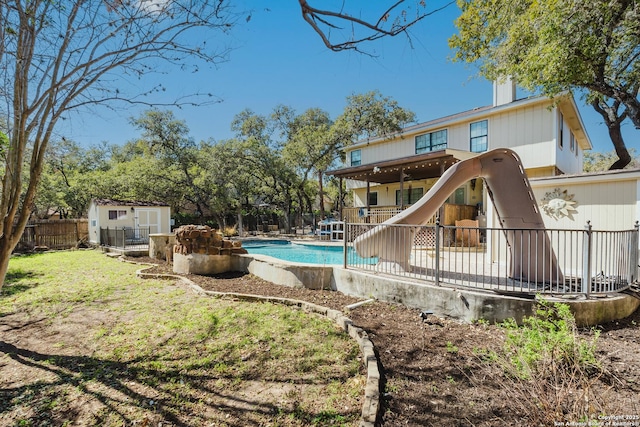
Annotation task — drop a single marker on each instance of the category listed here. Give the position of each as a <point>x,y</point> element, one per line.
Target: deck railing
<point>125,237</point>
<point>581,262</point>
<point>379,214</point>
<point>373,214</point>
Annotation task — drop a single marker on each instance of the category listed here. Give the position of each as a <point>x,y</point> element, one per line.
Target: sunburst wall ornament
<point>559,204</point>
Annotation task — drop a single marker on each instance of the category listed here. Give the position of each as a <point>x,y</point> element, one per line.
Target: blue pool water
<point>302,253</point>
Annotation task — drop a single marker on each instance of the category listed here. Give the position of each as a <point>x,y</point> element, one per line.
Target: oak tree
<point>553,46</point>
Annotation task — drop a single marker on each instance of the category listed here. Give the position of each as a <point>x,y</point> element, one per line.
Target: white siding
<point>530,128</point>
<point>568,161</point>
<point>529,131</point>
<point>94,224</point>
<point>609,204</point>
<point>393,149</point>
<point>459,136</point>
<point>99,215</point>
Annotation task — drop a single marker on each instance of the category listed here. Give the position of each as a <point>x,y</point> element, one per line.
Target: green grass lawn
<point>86,342</point>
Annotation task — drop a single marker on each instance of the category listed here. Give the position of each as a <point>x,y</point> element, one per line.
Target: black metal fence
<point>519,261</point>
<point>125,237</point>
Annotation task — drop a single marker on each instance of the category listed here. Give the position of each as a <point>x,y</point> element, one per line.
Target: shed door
<point>146,217</point>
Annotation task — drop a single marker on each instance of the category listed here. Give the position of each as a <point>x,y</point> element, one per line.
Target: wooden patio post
<point>340,200</point>
<point>366,217</point>
<point>401,189</point>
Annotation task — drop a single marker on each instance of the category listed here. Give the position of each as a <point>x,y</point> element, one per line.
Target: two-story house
<point>388,174</point>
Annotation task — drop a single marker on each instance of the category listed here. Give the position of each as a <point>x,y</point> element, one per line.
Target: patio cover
<point>419,166</point>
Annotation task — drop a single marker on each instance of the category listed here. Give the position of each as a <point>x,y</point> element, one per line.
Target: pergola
<point>417,167</point>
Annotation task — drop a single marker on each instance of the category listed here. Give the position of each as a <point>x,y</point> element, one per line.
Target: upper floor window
<point>572,143</point>
<point>113,214</point>
<point>479,136</point>
<point>356,158</point>
<point>561,131</point>
<point>433,141</point>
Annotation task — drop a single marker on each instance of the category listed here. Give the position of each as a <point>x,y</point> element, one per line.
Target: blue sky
<point>278,59</point>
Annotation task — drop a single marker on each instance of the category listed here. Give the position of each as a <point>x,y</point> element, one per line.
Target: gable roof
<point>564,101</point>
<point>113,202</point>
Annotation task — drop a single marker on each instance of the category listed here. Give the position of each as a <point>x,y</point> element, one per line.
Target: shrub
<point>230,231</point>
<point>548,339</point>
<point>549,371</point>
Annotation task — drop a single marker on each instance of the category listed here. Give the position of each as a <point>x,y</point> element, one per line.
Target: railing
<point>547,261</point>
<point>125,237</point>
<point>371,215</point>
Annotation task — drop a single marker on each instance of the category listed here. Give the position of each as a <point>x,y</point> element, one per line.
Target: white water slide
<point>532,257</point>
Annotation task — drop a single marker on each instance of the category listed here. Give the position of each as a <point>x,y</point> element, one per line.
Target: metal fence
<point>125,237</point>
<point>509,261</point>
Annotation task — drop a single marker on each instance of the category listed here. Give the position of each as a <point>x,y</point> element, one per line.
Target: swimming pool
<point>309,254</point>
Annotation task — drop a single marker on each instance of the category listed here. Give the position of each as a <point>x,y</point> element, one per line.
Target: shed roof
<point>113,202</point>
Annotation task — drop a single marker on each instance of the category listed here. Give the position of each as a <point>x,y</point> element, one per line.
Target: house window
<point>561,131</point>
<point>479,136</point>
<point>356,158</point>
<point>113,214</point>
<point>373,198</point>
<point>433,141</point>
<point>409,196</point>
<point>572,142</point>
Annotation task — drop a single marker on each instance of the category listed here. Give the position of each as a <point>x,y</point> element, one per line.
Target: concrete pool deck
<point>461,303</point>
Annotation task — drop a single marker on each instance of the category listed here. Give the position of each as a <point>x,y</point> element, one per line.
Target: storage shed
<point>135,214</point>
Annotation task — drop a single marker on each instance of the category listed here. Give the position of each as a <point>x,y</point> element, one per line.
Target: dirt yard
<point>434,371</point>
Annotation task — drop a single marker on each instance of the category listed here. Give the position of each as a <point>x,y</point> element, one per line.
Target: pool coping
<point>306,242</point>
<point>284,263</point>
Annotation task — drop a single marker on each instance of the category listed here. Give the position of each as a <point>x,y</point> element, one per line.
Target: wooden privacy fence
<point>54,234</point>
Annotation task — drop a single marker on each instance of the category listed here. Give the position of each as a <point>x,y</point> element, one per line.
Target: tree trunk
<point>321,192</point>
<point>612,119</point>
<point>240,228</point>
<point>624,158</point>
<point>5,255</point>
<point>287,214</point>
<point>308,202</point>
<point>220,221</point>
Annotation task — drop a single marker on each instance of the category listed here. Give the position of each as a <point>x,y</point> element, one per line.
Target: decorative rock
<point>201,250</point>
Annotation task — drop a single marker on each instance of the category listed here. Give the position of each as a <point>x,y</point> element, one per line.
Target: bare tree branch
<point>57,57</point>
<point>389,23</point>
